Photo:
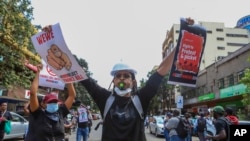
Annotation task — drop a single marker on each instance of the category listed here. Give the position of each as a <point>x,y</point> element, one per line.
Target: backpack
<point>182,128</point>
<point>135,99</point>
<point>201,124</point>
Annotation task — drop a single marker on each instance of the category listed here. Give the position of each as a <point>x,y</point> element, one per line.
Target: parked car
<point>244,122</point>
<point>156,126</point>
<point>19,125</point>
<point>96,116</point>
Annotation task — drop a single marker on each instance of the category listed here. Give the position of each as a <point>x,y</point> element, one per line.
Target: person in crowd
<point>220,124</point>
<point>50,118</point>
<point>26,110</point>
<point>90,118</point>
<point>190,126</point>
<point>67,128</point>
<point>146,122</point>
<point>166,132</point>
<point>194,123</point>
<point>83,123</point>
<point>4,116</point>
<point>231,116</point>
<point>172,125</point>
<point>201,126</point>
<point>74,121</point>
<point>123,122</point>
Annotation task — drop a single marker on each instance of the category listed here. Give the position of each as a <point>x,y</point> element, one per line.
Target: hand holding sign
<point>52,48</point>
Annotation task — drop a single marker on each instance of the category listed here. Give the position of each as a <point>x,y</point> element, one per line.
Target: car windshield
<point>160,121</point>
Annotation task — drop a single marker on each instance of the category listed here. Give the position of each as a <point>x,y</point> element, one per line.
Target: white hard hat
<point>120,67</point>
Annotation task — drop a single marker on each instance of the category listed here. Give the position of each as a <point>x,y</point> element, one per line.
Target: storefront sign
<point>233,91</point>
<point>206,97</point>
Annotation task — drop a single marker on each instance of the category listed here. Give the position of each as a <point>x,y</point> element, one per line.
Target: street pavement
<point>95,135</point>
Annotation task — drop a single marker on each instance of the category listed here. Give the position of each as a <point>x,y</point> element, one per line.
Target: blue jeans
<point>189,137</point>
<point>176,138</point>
<point>82,133</point>
<point>166,134</point>
<point>201,136</point>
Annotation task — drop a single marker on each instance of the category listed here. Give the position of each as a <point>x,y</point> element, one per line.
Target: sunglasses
<point>124,75</point>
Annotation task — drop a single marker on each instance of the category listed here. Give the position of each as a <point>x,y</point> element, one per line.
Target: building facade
<point>219,83</point>
<point>221,42</point>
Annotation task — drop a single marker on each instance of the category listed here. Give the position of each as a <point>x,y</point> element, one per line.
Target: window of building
<point>219,29</point>
<point>209,31</point>
<point>221,83</point>
<point>220,39</point>
<point>220,57</point>
<point>177,31</point>
<point>237,35</point>
<point>236,44</point>
<point>220,48</point>
<point>211,88</point>
<point>230,79</point>
<point>240,75</point>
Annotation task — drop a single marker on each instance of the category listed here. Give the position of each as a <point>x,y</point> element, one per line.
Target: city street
<point>95,135</point>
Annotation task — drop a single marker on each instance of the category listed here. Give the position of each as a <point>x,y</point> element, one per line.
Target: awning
<point>12,100</point>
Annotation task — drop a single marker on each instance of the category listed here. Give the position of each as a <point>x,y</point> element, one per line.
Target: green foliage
<point>161,95</point>
<point>15,33</point>
<point>81,92</point>
<point>246,81</point>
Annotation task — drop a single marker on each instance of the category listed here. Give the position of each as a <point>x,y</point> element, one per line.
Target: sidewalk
<point>195,138</point>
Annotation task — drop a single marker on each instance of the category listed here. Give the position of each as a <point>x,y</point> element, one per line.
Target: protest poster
<point>49,79</point>
<point>83,114</point>
<point>188,54</point>
<point>52,48</point>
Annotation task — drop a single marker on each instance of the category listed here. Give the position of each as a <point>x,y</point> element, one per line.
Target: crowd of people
<point>207,126</point>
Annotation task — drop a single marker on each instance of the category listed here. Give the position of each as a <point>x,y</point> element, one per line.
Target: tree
<point>160,97</point>
<point>246,97</point>
<point>15,33</point>
<point>81,93</point>
<point>246,81</point>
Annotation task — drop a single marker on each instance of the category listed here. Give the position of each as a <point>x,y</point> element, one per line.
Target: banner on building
<point>52,48</point>
<point>179,102</point>
<point>188,54</point>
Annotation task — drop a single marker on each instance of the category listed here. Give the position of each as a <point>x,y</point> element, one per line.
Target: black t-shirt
<point>221,125</point>
<point>42,128</point>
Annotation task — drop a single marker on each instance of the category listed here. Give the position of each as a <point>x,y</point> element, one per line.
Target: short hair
<point>4,101</point>
<point>176,113</point>
<point>229,110</point>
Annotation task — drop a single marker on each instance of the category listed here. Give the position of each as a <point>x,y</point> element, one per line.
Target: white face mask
<point>122,92</point>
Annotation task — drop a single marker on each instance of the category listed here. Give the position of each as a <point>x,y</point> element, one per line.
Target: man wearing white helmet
<point>122,121</point>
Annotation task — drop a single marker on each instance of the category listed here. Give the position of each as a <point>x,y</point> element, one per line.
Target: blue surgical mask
<point>52,107</point>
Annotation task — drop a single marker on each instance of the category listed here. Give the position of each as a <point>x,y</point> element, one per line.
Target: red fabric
<point>233,119</point>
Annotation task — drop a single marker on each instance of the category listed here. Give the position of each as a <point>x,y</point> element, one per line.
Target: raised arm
<point>71,95</point>
<point>34,104</point>
<point>165,65</point>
